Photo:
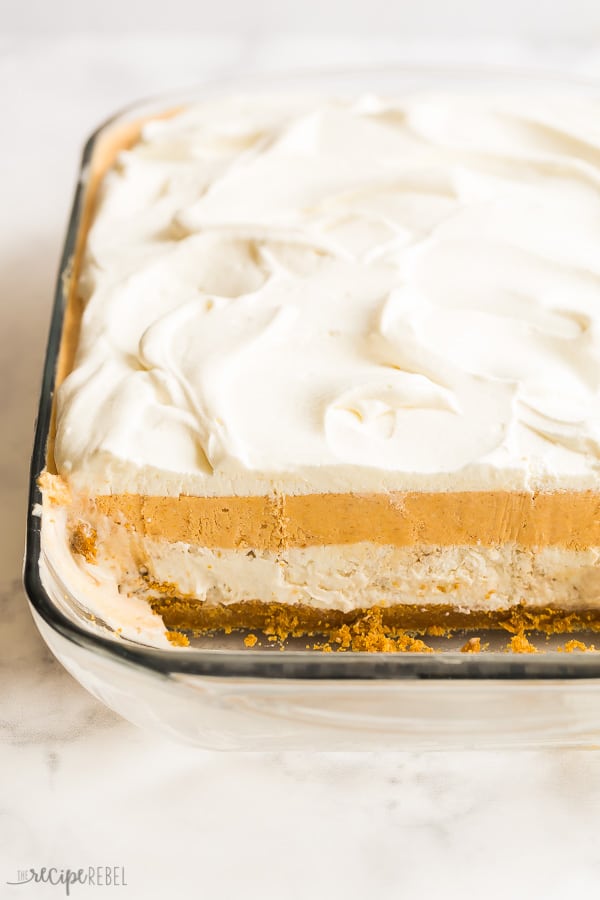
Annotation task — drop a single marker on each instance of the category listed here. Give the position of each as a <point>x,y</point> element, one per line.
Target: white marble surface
<point>80,787</point>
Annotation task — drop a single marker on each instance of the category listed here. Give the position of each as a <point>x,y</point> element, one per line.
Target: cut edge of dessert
<point>370,596</point>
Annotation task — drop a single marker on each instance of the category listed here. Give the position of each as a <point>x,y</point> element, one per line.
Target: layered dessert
<point>326,358</point>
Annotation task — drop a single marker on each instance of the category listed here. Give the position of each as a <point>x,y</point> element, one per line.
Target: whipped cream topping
<point>307,294</point>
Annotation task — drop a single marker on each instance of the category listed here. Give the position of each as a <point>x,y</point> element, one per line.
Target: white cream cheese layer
<point>363,575</point>
<point>308,294</point>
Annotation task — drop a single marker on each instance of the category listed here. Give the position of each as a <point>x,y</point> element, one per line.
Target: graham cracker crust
<point>364,629</point>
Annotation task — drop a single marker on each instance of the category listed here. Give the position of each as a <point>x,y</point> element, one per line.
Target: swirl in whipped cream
<point>308,294</point>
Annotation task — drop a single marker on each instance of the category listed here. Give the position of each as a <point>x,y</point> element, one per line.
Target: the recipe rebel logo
<point>92,876</point>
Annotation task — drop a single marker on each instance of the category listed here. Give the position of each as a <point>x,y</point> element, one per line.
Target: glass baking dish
<point>218,693</point>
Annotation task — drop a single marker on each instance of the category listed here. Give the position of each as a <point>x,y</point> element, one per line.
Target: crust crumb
<point>571,646</point>
<point>163,588</point>
<point>369,634</point>
<point>177,639</point>
<point>83,542</point>
<point>473,645</point>
<point>250,640</point>
<point>520,644</point>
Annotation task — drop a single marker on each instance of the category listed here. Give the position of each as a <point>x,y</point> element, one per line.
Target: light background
<point>77,785</point>
<point>560,20</point>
